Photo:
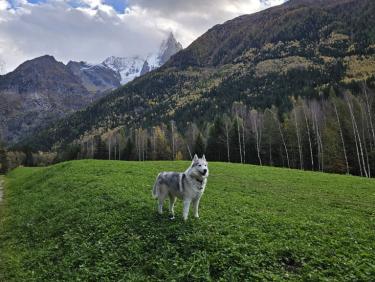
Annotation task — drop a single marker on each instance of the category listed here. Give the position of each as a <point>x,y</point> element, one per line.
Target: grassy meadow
<point>96,221</point>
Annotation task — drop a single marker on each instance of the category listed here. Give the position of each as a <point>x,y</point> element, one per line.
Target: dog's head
<point>199,166</point>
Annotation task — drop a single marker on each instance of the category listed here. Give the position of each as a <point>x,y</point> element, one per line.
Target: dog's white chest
<point>197,187</point>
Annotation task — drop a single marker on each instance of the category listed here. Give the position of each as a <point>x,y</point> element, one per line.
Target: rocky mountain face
<point>95,78</point>
<point>131,67</point>
<point>301,48</point>
<point>43,90</point>
<point>167,49</point>
<point>115,71</point>
<point>127,68</point>
<point>38,92</point>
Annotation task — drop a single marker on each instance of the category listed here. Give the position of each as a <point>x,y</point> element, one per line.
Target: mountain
<point>115,71</point>
<point>95,78</point>
<point>43,90</point>
<point>128,68</point>
<point>131,67</point>
<point>167,49</point>
<point>324,24</point>
<point>301,48</point>
<point>37,92</point>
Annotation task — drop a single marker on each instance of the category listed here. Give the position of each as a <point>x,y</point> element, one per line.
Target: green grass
<point>96,221</point>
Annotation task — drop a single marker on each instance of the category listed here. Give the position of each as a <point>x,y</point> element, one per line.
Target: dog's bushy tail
<point>155,189</point>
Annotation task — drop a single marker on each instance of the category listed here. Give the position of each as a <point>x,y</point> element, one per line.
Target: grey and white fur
<point>188,186</point>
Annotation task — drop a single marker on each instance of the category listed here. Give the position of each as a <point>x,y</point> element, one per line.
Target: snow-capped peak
<point>131,67</point>
<point>128,67</point>
<point>167,49</point>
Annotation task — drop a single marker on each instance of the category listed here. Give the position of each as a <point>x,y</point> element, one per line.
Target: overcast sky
<point>91,30</point>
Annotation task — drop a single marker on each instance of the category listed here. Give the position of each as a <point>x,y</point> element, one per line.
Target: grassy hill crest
<point>96,220</point>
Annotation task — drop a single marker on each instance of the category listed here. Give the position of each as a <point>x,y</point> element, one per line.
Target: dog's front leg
<point>186,209</point>
<point>172,201</point>
<point>196,207</point>
<point>160,204</point>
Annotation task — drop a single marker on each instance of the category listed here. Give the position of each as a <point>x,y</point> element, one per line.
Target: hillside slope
<point>42,90</point>
<point>301,48</point>
<point>95,78</point>
<point>295,28</point>
<point>36,93</point>
<point>96,220</point>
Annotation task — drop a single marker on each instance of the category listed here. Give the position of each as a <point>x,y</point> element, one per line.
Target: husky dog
<point>187,186</point>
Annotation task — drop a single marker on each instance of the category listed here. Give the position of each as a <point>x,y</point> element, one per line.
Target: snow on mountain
<point>128,67</point>
<point>131,67</point>
<point>167,49</point>
<point>114,71</point>
<point>96,78</point>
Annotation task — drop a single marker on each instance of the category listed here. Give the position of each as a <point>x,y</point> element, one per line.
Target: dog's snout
<point>204,171</point>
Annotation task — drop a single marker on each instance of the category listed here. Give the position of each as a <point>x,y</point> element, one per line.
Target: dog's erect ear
<point>204,157</point>
<point>195,159</point>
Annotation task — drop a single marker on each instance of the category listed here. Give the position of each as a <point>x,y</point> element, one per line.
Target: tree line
<point>333,133</point>
<point>13,158</point>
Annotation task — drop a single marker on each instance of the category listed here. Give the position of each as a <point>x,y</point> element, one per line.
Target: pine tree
<point>216,142</point>
<point>271,137</point>
<point>163,151</point>
<point>199,147</point>
<point>128,152</point>
<point>29,159</point>
<point>101,151</point>
<point>3,159</point>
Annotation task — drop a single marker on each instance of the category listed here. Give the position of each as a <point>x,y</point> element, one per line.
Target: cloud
<point>84,33</point>
<point>4,5</point>
<point>189,19</point>
<point>92,30</point>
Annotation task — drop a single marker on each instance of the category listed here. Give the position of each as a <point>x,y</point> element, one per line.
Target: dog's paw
<point>172,218</point>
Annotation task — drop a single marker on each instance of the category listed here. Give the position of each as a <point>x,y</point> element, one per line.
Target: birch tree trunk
<point>92,148</point>
<point>341,136</point>
<point>239,137</point>
<point>243,140</point>
<point>119,153</point>
<point>309,136</point>
<point>369,112</point>
<point>227,129</point>
<point>315,110</point>
<point>187,145</point>
<point>109,148</point>
<point>358,137</point>
<point>282,137</point>
<point>298,140</point>
<point>259,137</point>
<point>173,143</point>
<point>321,148</point>
<point>256,126</point>
<point>228,147</point>
<point>154,141</point>
<point>115,150</point>
<point>364,120</point>
<point>144,144</point>
<point>270,150</point>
